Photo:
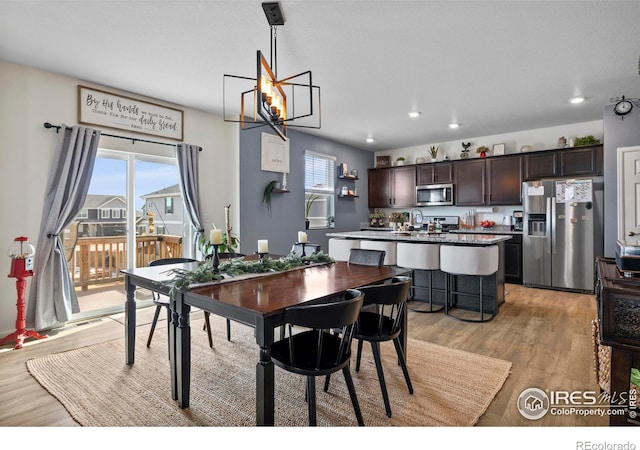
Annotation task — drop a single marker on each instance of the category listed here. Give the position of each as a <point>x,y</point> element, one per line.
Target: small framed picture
<point>498,149</point>
<point>383,161</point>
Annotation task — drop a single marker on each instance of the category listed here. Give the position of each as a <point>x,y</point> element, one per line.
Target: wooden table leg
<point>182,352</point>
<point>265,392</point>
<point>130,321</point>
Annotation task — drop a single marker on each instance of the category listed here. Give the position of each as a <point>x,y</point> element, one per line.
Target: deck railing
<point>99,260</point>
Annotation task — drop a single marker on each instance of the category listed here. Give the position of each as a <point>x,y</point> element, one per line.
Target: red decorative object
<point>21,267</point>
<point>483,154</point>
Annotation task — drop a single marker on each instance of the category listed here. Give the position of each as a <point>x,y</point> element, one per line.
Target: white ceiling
<point>494,66</point>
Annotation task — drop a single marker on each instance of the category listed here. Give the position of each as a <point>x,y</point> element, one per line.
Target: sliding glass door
<point>133,215</point>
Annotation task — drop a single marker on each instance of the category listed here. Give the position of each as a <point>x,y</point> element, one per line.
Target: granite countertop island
<point>493,230</point>
<point>421,236</point>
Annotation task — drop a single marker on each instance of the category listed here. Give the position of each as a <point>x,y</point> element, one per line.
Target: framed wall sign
<point>96,107</point>
<point>383,161</point>
<point>275,154</point>
<point>498,149</point>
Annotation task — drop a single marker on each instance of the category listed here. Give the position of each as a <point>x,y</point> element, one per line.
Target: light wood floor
<point>545,334</point>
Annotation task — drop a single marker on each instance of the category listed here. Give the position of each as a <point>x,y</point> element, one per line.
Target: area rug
<point>451,387</point>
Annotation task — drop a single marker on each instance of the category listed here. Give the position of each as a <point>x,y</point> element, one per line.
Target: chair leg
<point>326,382</point>
<point>352,394</point>
<point>228,330</point>
<point>359,355</point>
<point>375,347</point>
<point>153,324</point>
<point>168,332</point>
<point>207,327</point>
<point>403,364</point>
<point>311,400</point>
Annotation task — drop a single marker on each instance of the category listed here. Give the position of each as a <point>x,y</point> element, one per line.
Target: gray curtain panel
<point>52,298</point>
<point>187,156</point>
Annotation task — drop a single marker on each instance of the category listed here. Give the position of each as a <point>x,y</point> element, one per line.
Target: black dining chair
<point>163,302</point>
<point>314,351</point>
<point>308,249</point>
<point>379,321</point>
<point>207,324</point>
<point>366,257</point>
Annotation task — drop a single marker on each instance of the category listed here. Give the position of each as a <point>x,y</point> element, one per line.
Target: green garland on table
<point>183,279</point>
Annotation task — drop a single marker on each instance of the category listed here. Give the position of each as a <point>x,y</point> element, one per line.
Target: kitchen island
<point>428,284</point>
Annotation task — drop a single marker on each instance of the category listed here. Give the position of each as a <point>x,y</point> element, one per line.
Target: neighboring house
<point>168,212</point>
<point>102,215</point>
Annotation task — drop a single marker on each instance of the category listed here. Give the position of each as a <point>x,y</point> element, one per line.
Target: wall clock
<point>623,107</point>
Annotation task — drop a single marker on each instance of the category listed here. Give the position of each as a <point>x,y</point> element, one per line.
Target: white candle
<point>215,236</point>
<point>302,237</point>
<point>263,246</point>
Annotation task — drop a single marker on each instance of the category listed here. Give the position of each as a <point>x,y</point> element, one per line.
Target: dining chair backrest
<point>336,313</point>
<point>309,249</point>
<point>164,261</point>
<point>366,257</point>
<point>389,299</point>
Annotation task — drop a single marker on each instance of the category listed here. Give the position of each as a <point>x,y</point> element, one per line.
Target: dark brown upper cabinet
<point>488,181</point>
<point>469,178</point>
<point>393,187</point>
<point>434,173</point>
<point>568,162</point>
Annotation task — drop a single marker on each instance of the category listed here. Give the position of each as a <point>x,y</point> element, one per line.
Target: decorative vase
<point>464,155</point>
<point>306,224</point>
<point>434,159</point>
<point>483,154</point>
<point>399,163</point>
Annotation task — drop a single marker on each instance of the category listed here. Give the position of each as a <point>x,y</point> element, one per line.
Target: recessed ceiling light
<point>453,125</point>
<point>414,114</point>
<point>576,100</point>
<point>370,140</point>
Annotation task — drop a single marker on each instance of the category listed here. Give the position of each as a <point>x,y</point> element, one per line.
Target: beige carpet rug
<point>451,387</point>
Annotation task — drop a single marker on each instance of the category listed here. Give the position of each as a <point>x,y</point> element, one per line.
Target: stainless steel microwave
<point>434,195</point>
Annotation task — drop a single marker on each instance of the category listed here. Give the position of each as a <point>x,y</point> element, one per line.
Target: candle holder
<point>216,258</point>
<point>261,256</point>
<point>304,244</point>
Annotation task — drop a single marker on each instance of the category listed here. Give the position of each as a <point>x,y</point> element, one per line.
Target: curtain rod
<point>132,139</point>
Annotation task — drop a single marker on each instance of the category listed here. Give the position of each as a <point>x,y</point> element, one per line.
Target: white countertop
<point>420,236</point>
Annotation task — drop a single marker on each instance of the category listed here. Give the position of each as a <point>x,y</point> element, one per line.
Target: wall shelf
<point>348,196</point>
<point>348,177</point>
<point>280,191</point>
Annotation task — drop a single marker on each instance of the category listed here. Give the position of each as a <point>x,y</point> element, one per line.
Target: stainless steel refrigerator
<point>563,232</point>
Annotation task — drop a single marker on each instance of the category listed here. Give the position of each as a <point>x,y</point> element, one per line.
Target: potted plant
<point>433,151</point>
<point>482,150</point>
<point>400,161</point>
<point>268,190</point>
<point>377,218</point>
<point>586,140</point>
<point>307,208</point>
<point>206,247</point>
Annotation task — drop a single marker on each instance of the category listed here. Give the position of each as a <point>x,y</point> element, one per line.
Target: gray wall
<point>617,133</point>
<point>287,210</point>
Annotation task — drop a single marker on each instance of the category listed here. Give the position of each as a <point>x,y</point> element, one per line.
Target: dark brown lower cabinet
<point>513,260</point>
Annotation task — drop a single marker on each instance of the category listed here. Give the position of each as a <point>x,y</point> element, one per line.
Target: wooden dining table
<point>258,302</point>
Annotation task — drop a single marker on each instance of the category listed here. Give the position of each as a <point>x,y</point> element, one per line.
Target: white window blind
<point>319,176</point>
<point>319,172</point>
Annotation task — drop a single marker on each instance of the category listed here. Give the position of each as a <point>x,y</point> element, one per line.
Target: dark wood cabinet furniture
<point>566,162</point>
<point>392,187</point>
<point>504,180</point>
<point>488,181</point>
<point>469,178</point>
<point>513,259</point>
<point>434,173</point>
<point>618,301</point>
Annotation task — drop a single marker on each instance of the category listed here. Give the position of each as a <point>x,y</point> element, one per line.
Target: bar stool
<point>389,247</point>
<point>339,248</point>
<point>418,256</point>
<point>468,260</point>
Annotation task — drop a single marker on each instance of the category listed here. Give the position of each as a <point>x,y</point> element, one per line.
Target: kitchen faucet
<point>415,216</point>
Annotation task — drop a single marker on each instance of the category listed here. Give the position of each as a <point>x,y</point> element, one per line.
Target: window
<point>83,214</point>
<point>115,213</point>
<point>168,205</point>
<point>105,213</point>
<point>319,175</point>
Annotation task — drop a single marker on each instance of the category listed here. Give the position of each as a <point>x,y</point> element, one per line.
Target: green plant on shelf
<point>586,140</point>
